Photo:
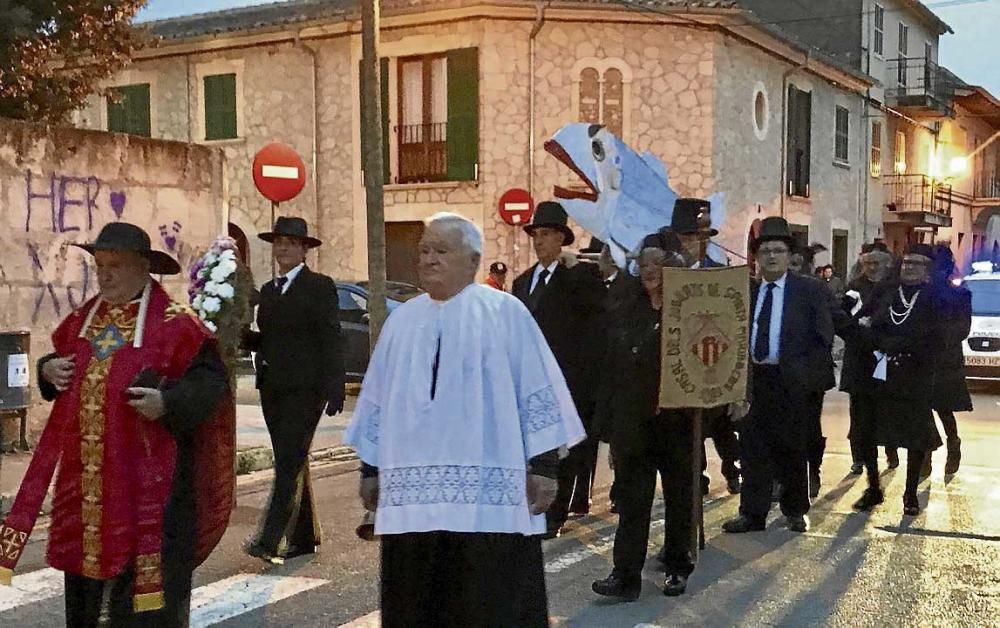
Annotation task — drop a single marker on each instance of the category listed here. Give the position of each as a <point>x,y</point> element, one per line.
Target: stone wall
<point>60,186</point>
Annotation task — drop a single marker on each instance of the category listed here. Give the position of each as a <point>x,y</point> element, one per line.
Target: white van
<point>982,347</point>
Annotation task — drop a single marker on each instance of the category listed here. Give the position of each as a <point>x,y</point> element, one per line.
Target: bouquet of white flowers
<point>213,281</point>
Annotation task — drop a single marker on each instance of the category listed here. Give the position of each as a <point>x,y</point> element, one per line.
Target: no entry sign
<point>516,207</point>
<point>278,172</point>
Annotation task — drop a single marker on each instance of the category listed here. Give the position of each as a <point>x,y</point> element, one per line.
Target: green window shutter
<point>128,110</point>
<point>220,107</point>
<point>463,114</point>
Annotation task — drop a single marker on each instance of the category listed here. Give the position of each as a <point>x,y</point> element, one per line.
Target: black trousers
<point>291,418</point>
<point>583,482</point>
<point>669,452</point>
<point>463,580</point>
<point>576,472</point>
<point>773,442</point>
<point>720,428</point>
<point>816,446</point>
<point>91,603</point>
<point>863,434</point>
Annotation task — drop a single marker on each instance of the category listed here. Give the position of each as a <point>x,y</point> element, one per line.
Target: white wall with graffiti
<point>60,186</point>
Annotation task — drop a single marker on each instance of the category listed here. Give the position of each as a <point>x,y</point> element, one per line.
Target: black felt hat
<point>918,248</point>
<point>596,246</point>
<point>124,236</point>
<point>552,215</point>
<point>688,212</point>
<point>292,227</point>
<point>774,228</point>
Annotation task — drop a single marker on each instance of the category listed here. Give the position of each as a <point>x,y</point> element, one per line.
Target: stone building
<point>473,89</point>
<point>933,174</point>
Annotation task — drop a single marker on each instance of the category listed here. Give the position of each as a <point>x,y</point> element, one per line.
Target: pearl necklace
<point>898,318</point>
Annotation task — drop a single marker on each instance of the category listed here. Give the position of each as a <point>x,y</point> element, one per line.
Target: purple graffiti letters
<point>77,291</point>
<point>67,193</point>
<point>44,287</point>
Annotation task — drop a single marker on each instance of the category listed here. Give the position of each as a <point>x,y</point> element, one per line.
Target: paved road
<point>939,569</point>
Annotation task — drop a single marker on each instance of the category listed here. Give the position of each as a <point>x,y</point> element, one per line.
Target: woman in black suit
<point>645,440</point>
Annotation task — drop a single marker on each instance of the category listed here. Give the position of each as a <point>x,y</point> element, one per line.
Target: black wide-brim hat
<point>774,228</point>
<point>124,236</point>
<point>552,215</point>
<point>291,227</point>
<point>688,212</point>
<point>595,247</point>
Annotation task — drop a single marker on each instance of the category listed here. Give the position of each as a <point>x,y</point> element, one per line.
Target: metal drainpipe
<point>315,141</point>
<point>535,29</point>
<point>784,126</point>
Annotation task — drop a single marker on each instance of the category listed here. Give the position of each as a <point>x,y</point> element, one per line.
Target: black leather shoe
<point>911,506</point>
<point>797,523</point>
<point>869,499</point>
<point>675,585</point>
<point>552,533</point>
<point>258,551</point>
<point>891,458</point>
<point>616,586</point>
<point>742,524</point>
<point>857,468</point>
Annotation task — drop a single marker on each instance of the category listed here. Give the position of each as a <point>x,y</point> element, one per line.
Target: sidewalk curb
<point>255,459</point>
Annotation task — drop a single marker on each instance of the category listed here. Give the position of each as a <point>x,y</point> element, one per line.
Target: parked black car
<point>354,320</point>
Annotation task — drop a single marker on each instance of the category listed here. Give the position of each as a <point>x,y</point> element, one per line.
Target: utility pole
<point>371,148</point>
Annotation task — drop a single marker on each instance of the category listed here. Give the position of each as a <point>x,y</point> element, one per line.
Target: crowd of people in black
<point>902,322</point>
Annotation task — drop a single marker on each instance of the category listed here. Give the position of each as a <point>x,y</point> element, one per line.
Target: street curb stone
<point>260,458</point>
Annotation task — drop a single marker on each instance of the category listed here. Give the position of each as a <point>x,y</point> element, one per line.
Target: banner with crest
<point>706,336</point>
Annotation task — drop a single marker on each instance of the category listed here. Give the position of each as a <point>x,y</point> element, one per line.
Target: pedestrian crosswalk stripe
<point>35,586</point>
<point>242,593</point>
<point>371,620</point>
<point>210,604</point>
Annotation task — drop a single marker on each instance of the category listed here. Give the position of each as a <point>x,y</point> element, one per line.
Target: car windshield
<point>985,297</point>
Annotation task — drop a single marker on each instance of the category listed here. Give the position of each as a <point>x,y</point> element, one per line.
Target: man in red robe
<point>142,429</point>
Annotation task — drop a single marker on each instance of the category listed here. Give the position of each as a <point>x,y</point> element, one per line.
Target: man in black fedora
<point>691,221</point>
<point>566,299</point>
<point>137,379</point>
<point>300,372</point>
<point>791,335</point>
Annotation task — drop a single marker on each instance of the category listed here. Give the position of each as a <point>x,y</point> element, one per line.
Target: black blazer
<point>299,344</point>
<point>805,357</point>
<point>570,316</point>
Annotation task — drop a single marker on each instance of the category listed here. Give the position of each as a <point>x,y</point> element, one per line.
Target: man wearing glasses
<point>791,335</point>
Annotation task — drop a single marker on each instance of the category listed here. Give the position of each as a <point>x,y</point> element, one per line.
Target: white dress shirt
<point>291,275</point>
<point>538,271</point>
<point>777,309</point>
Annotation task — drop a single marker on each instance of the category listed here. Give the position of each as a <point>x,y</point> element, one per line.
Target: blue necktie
<point>762,347</point>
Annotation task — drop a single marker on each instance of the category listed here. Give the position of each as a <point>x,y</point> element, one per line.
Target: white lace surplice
<point>457,462</point>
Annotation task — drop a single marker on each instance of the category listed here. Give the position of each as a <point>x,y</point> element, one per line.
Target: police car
<point>982,347</point>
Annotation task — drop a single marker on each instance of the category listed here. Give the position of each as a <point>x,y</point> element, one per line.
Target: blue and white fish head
<point>625,196</point>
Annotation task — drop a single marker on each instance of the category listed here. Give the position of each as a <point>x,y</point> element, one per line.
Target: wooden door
<point>402,250</point>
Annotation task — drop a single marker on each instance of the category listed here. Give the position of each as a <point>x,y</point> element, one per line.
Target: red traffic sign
<point>278,172</point>
<point>516,207</point>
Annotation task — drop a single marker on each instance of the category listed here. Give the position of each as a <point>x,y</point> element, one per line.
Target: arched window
<point>590,96</point>
<point>601,96</point>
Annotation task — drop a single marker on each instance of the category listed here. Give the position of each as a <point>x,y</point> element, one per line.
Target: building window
<point>876,158</point>
<point>220,107</point>
<point>761,111</point>
<point>437,129</point>
<point>842,135</point>
<point>602,98</point>
<point>128,110</point>
<point>904,36</point>
<point>899,154</point>
<point>878,43</point>
<point>799,141</point>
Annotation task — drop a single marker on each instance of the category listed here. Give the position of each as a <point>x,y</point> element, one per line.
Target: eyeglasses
<point>772,251</point>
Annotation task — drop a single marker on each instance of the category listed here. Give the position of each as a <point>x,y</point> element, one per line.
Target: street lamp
<point>958,166</point>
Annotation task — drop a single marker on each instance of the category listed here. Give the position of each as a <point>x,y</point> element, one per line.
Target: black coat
<point>628,393</point>
<point>951,394</point>
<point>299,344</point>
<point>859,345</point>
<point>805,357</point>
<point>570,316</point>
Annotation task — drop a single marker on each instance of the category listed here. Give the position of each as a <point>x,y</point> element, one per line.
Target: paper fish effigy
<point>626,195</point>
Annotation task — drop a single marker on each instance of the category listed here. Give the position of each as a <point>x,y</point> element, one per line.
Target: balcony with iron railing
<point>987,186</point>
<point>423,152</point>
<point>920,86</point>
<point>918,199</point>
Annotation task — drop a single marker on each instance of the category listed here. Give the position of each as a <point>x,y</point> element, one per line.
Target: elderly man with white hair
<point>459,425</point>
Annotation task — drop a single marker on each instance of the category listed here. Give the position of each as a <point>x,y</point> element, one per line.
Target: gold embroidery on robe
<point>109,331</point>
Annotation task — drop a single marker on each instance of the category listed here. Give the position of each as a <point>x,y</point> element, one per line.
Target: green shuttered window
<point>799,141</point>
<point>128,110</point>
<point>220,107</point>
<point>463,114</point>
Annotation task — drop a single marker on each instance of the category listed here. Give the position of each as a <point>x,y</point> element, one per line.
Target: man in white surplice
<point>459,423</point>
